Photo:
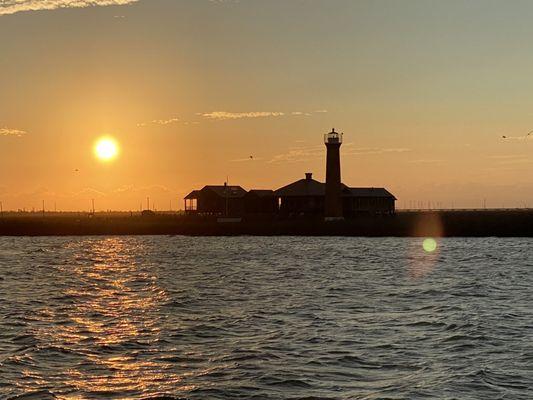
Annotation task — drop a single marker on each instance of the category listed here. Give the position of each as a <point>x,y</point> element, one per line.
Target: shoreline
<point>478,223</point>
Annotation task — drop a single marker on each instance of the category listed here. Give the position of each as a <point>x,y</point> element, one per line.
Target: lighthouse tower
<point>333,206</point>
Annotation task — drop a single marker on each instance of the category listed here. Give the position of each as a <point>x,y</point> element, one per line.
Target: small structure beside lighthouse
<point>333,201</point>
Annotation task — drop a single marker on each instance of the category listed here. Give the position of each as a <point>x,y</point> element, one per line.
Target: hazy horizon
<point>423,91</point>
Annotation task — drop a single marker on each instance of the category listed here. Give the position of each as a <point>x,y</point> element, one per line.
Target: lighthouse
<point>333,202</point>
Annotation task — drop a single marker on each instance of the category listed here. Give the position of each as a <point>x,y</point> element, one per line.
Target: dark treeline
<point>418,224</point>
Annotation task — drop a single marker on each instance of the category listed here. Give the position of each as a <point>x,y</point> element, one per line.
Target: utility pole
<point>226,196</point>
<point>43,208</point>
<point>148,203</point>
<point>92,201</point>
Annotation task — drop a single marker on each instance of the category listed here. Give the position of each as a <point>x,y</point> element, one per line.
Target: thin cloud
<point>159,122</point>
<point>165,121</point>
<point>509,159</point>
<point>506,156</point>
<point>15,6</point>
<point>426,161</point>
<point>299,154</point>
<point>527,137</point>
<point>225,115</point>
<point>88,192</point>
<point>248,159</point>
<point>12,132</point>
<point>357,151</point>
<point>141,189</point>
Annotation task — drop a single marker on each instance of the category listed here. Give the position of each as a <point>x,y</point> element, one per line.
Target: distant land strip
<point>509,223</point>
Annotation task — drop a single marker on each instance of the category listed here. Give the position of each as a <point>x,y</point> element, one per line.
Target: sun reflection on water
<point>113,319</point>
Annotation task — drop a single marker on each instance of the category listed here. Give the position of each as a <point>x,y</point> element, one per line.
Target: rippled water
<point>265,318</point>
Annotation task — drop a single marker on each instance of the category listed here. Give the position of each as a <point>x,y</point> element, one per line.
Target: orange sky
<point>423,92</point>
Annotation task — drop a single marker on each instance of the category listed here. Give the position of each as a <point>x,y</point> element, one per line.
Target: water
<point>265,318</point>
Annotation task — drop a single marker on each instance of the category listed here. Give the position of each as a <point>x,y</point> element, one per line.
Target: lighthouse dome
<point>333,137</point>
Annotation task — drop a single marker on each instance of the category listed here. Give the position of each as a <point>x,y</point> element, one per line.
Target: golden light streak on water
<point>120,302</point>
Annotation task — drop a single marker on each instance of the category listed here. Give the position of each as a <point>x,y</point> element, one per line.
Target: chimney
<point>308,176</point>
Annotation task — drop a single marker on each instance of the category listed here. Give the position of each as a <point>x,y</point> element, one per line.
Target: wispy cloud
<point>168,121</point>
<point>509,159</point>
<point>225,115</point>
<point>88,192</point>
<point>12,132</point>
<point>15,6</point>
<point>247,159</point>
<point>426,161</point>
<point>358,151</point>
<point>141,189</point>
<point>506,156</point>
<point>528,137</point>
<point>298,154</point>
<point>165,121</point>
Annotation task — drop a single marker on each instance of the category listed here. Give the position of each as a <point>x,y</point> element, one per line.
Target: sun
<point>106,149</point>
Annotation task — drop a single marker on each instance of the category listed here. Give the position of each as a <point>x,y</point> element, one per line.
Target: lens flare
<point>429,245</point>
<point>106,149</point>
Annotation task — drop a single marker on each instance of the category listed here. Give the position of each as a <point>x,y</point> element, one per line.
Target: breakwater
<point>504,223</point>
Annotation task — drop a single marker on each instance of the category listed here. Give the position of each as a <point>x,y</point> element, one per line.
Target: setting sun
<point>106,149</point>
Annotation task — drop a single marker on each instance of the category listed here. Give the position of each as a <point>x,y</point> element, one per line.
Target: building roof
<point>311,187</point>
<point>303,187</point>
<point>192,195</point>
<point>368,192</point>
<point>232,192</point>
<point>261,192</point>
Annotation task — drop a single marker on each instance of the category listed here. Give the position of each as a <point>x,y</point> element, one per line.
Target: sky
<point>199,92</point>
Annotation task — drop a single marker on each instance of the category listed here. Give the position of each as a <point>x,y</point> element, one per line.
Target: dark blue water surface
<point>265,318</point>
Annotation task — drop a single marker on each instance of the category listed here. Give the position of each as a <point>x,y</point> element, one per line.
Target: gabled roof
<point>311,187</point>
<point>231,192</point>
<point>303,187</point>
<point>192,195</point>
<point>369,192</point>
<point>261,192</point>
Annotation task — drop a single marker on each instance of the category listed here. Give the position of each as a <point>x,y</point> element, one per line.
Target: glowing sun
<point>106,149</point>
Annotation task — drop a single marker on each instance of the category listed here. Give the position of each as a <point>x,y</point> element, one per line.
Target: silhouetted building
<point>333,201</point>
<point>305,197</point>
<point>220,200</point>
<point>260,202</point>
<point>356,201</point>
<point>308,197</point>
